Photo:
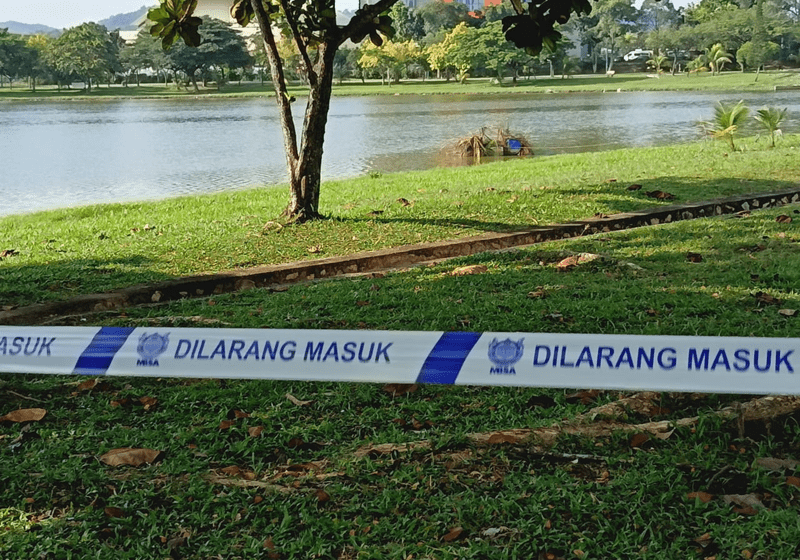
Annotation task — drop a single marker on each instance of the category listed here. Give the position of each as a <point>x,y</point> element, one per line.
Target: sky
<point>69,13</point>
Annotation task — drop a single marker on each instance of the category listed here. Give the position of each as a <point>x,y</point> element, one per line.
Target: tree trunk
<point>304,165</point>
<point>306,177</point>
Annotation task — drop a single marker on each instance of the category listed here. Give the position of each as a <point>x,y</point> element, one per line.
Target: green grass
<point>303,490</point>
<point>96,248</point>
<point>728,81</point>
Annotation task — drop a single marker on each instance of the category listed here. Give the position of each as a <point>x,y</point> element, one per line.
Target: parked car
<point>637,54</point>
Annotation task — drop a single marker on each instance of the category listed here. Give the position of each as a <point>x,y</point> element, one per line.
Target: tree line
<point>441,38</point>
<point>447,39</point>
<point>91,54</point>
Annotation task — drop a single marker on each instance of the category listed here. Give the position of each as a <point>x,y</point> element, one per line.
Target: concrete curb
<point>385,259</point>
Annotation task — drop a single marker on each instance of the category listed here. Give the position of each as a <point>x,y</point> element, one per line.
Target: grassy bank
<point>300,470</point>
<point>57,254</point>
<point>728,81</point>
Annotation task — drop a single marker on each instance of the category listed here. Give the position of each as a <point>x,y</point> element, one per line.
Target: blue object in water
<point>514,145</point>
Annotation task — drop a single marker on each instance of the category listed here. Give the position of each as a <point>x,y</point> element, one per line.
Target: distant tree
<point>454,53</point>
<point>88,52</point>
<point>496,12</point>
<point>391,58</point>
<point>657,62</point>
<point>222,47</point>
<point>557,55</point>
<point>709,10</point>
<point>408,25</point>
<point>145,52</point>
<point>657,14</point>
<point>438,14</point>
<point>499,54</point>
<point>759,50</point>
<point>717,57</point>
<point>615,18</point>
<point>40,45</point>
<point>16,58</point>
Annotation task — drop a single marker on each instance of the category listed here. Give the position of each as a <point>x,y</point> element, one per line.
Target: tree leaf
<point>24,415</point>
<point>127,456</point>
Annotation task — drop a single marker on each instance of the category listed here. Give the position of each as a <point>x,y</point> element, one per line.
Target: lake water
<point>57,154</point>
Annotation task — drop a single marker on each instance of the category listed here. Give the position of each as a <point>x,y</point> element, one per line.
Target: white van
<point>637,54</point>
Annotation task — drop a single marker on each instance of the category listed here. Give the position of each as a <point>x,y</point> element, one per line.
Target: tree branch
<point>301,46</point>
<point>278,81</point>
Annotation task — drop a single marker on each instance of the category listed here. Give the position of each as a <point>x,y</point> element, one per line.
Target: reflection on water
<point>58,154</point>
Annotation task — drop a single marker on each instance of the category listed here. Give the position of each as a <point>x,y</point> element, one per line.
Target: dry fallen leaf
<point>403,201</point>
<point>694,257</point>
<point>226,424</point>
<point>148,403</point>
<point>322,496</point>
<point>745,504</point>
<point>129,456</point>
<point>467,270</point>
<point>639,440</point>
<point>24,415</point>
<point>704,497</point>
<point>575,260</point>
<point>298,402</point>
<point>397,389</point>
<point>784,219</point>
<point>453,534</point>
<point>635,187</point>
<point>763,297</point>
<point>788,312</point>
<point>114,512</point>
<point>793,481</point>
<point>255,431</point>
<point>660,195</point>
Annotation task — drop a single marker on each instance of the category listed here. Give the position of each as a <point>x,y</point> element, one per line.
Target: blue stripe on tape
<point>445,360</point>
<point>97,357</point>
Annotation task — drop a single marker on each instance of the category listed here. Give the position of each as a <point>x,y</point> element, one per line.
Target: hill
<point>124,22</point>
<point>28,28</point>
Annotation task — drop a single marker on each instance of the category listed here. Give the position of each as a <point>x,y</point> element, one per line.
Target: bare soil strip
<point>382,260</point>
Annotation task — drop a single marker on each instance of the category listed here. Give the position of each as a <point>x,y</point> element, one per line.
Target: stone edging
<point>384,259</point>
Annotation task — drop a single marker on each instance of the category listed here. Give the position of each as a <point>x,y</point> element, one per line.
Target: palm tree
<point>727,121</point>
<point>717,57</point>
<point>657,63</point>
<point>770,120</point>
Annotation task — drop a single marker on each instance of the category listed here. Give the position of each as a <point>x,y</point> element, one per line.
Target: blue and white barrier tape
<point>666,363</point>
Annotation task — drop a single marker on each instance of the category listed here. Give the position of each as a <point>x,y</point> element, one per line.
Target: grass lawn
<point>61,253</point>
<point>257,469</point>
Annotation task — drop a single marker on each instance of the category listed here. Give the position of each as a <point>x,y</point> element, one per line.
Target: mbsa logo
<point>504,354</point>
<point>150,348</point>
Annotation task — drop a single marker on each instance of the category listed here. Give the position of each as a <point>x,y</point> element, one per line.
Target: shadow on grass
<point>39,283</point>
